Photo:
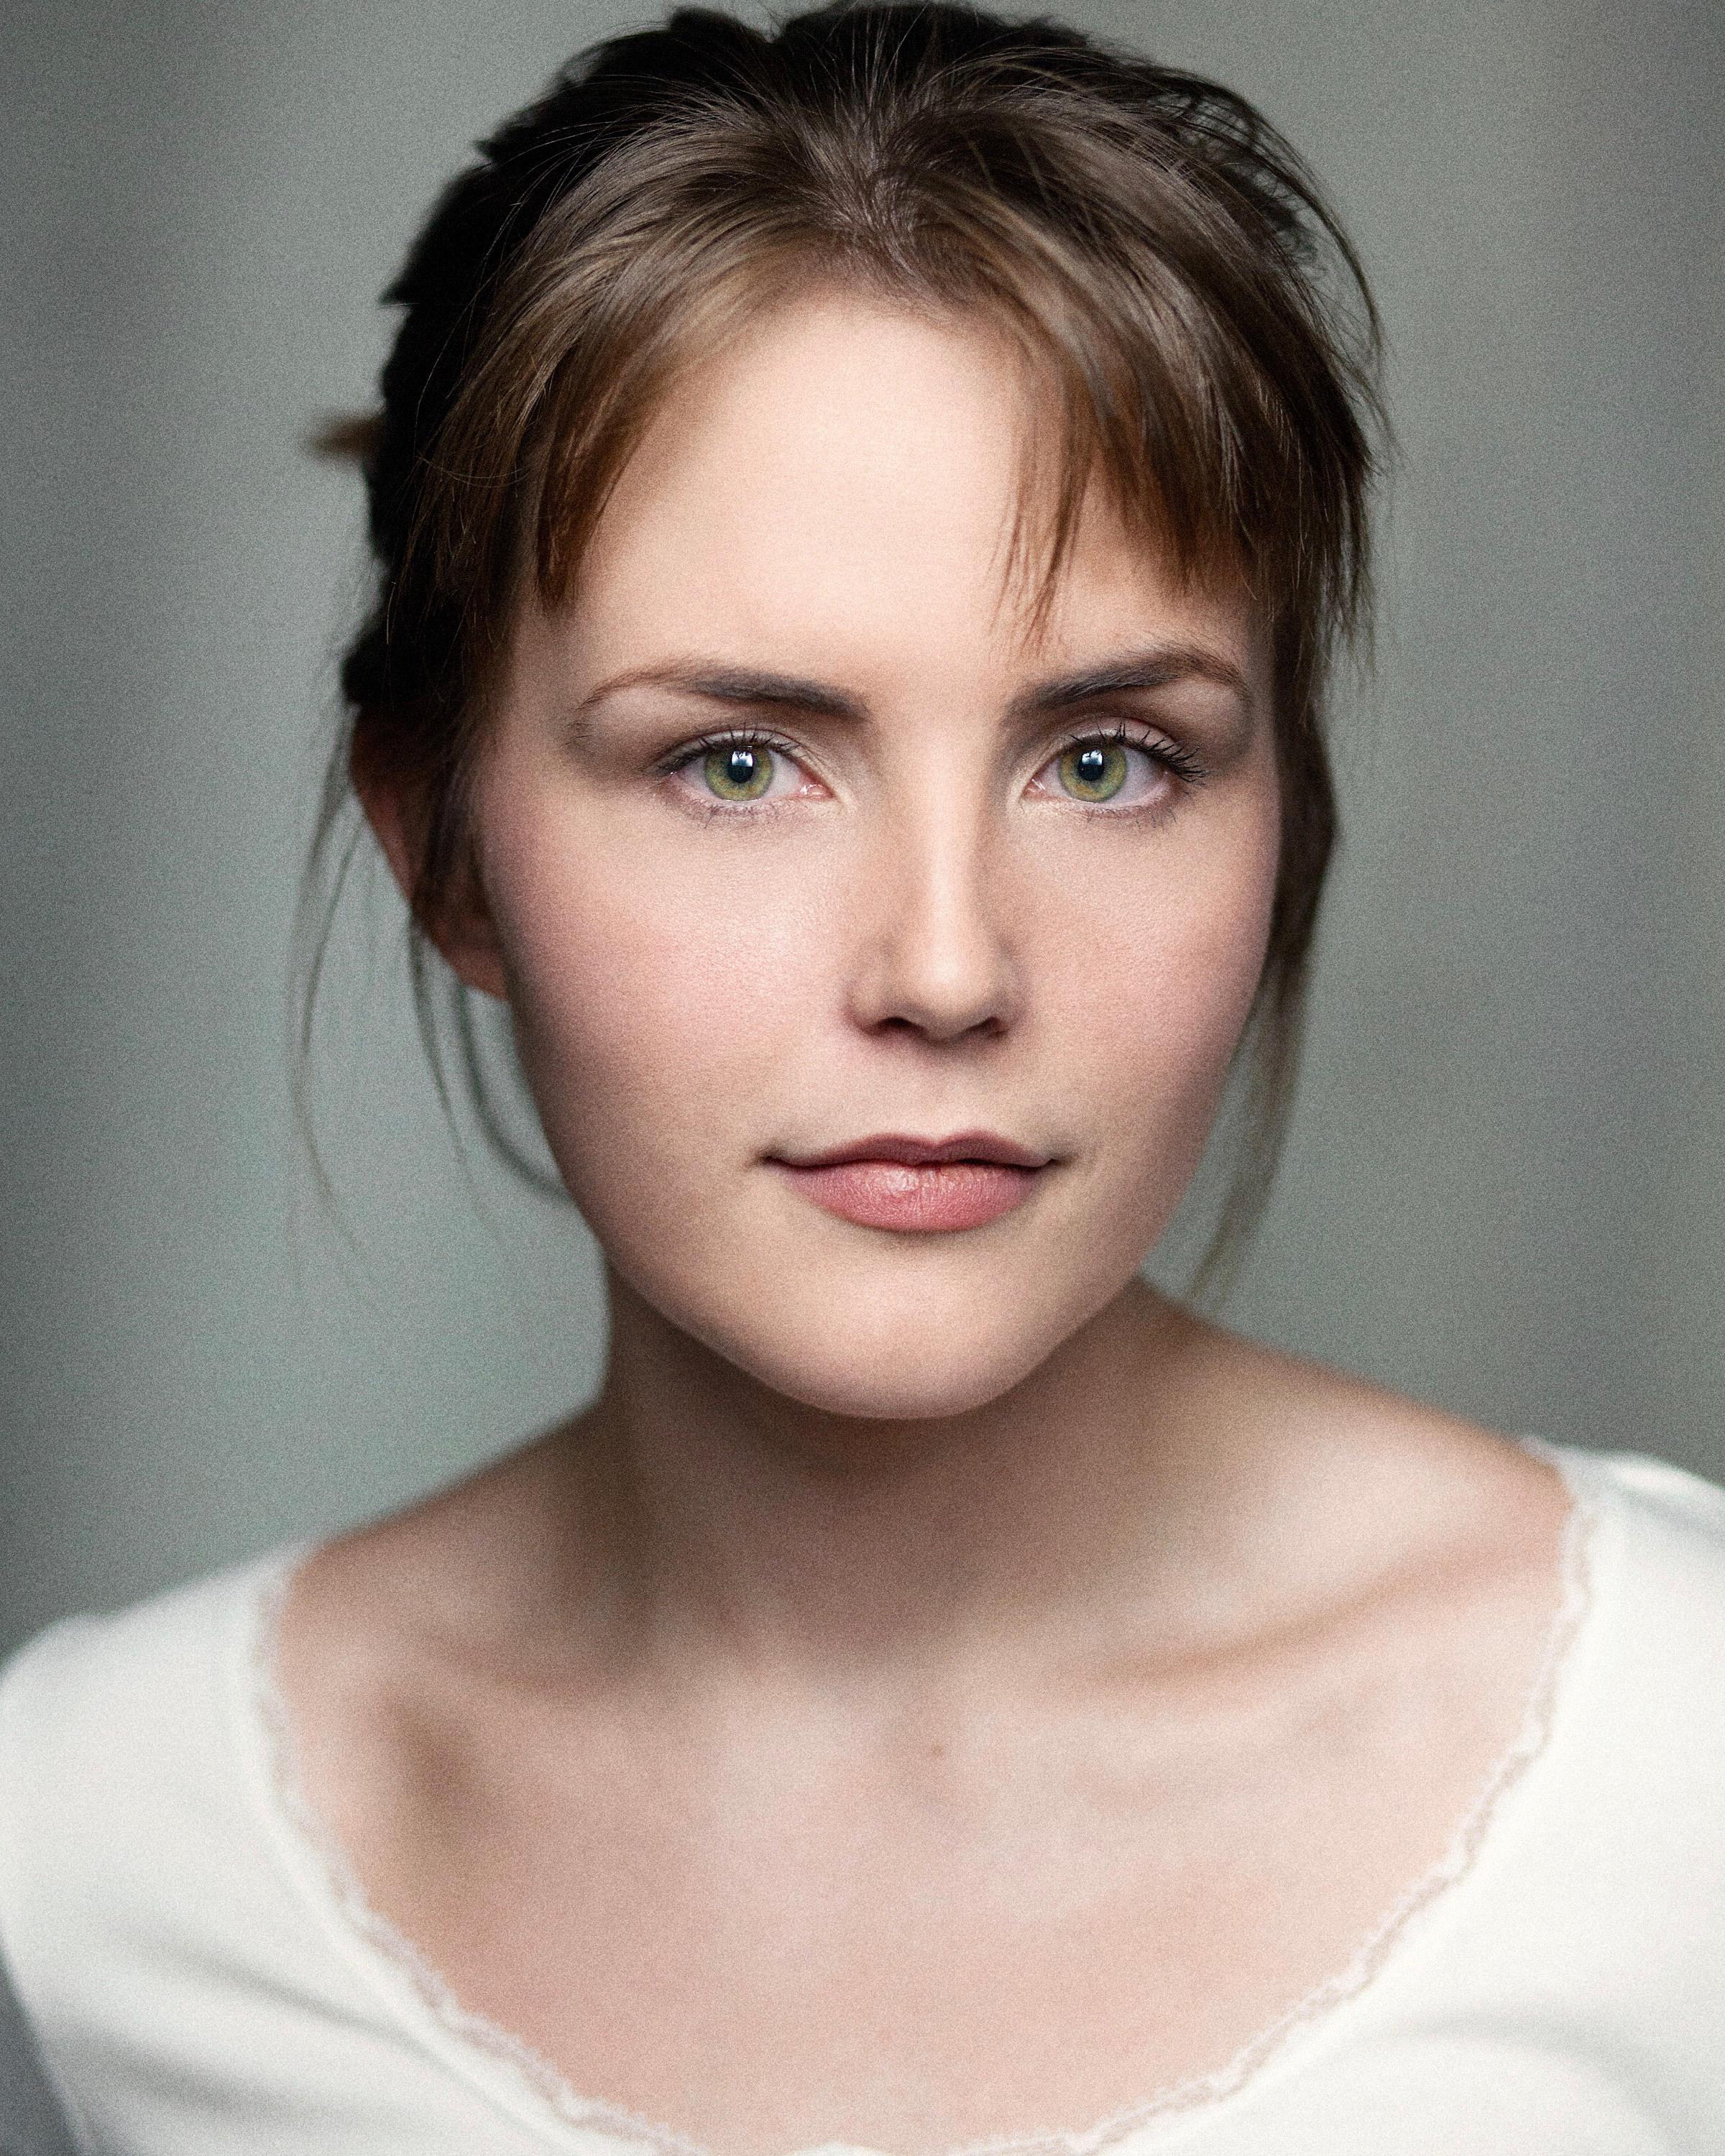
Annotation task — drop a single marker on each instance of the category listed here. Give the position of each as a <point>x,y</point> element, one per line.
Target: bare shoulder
<point>387,1633</point>
<point>1373,1486</point>
<point>460,1567</point>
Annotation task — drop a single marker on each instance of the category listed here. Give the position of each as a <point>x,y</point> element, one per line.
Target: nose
<point>935,953</point>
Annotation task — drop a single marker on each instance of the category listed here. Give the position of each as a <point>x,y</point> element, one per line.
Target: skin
<point>923,1638</point>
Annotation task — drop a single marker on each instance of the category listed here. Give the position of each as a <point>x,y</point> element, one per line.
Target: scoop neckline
<point>519,2079</point>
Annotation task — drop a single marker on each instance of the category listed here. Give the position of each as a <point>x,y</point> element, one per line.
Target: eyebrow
<point>733,684</point>
<point>1156,668</point>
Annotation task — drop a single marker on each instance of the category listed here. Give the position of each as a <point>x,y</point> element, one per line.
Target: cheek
<point>1158,979</point>
<point>654,995</point>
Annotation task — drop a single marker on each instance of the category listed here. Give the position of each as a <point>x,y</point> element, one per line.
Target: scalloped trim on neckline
<point>535,2085</point>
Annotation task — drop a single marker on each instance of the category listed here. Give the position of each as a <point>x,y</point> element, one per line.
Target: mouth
<point>919,1186</point>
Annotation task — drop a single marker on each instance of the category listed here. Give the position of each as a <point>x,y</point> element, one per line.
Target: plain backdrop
<point>1504,1189</point>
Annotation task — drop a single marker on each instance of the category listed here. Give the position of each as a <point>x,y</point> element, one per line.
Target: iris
<point>1094,771</point>
<point>738,772</point>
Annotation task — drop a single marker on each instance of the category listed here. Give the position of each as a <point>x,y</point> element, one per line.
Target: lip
<point>919,1186</point>
<point>986,1146</point>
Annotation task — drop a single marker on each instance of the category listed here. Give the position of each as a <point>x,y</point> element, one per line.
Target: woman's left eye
<point>1109,770</point>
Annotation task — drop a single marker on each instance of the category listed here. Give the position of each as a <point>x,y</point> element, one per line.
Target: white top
<point>196,1977</point>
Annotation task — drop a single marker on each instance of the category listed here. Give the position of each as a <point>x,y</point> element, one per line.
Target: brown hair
<point>1194,314</point>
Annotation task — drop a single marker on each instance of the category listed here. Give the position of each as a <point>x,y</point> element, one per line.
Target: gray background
<point>1506,1189</point>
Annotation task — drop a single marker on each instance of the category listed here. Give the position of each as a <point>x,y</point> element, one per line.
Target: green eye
<point>738,772</point>
<point>1093,771</point>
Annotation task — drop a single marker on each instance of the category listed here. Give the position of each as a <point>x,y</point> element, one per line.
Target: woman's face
<point>797,839</point>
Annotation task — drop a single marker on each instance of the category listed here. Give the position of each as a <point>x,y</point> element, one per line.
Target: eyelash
<point>1178,760</point>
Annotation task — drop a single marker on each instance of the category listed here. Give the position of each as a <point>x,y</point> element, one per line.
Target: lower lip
<point>926,1200</point>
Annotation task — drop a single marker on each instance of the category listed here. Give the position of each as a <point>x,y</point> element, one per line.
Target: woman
<point>864,517</point>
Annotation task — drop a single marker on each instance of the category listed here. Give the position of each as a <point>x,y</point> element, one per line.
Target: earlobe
<point>462,933</point>
<point>380,797</point>
<point>468,944</point>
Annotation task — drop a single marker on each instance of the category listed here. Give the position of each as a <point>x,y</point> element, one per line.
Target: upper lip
<point>925,1153</point>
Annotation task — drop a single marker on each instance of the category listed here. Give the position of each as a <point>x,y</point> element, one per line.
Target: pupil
<point>1093,764</point>
<point>742,767</point>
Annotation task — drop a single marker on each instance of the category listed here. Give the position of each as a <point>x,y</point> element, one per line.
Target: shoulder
<point>1375,1497</point>
<point>184,1964</point>
<point>1630,1802</point>
<point>1612,1856</point>
<point>1683,1512</point>
<point>127,1834</point>
<point>1657,1585</point>
<point>116,1699</point>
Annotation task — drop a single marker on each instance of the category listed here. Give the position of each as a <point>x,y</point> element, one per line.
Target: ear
<point>463,932</point>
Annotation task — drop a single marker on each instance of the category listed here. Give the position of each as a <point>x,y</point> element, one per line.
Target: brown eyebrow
<point>734,684</point>
<point>1156,668</point>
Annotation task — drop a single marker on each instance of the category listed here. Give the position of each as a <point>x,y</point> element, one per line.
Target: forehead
<point>842,491</point>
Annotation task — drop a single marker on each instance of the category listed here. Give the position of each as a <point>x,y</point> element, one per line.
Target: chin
<point>918,1358</point>
<point>932,1386</point>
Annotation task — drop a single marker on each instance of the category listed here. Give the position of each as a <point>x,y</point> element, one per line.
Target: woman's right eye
<point>736,771</point>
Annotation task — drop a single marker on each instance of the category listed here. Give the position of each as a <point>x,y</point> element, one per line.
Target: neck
<point>758,1532</point>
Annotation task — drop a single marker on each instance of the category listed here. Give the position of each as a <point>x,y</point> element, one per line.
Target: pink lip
<point>919,1185</point>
